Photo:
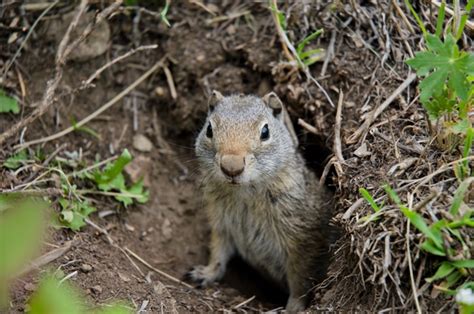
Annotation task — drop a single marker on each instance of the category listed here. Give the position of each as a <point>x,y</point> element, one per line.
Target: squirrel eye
<point>265,133</point>
<point>209,131</point>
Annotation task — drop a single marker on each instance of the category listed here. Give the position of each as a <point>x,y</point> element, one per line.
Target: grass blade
<point>366,195</point>
<point>417,18</point>
<point>466,263</point>
<point>444,270</point>
<point>439,22</point>
<point>459,195</point>
<point>464,18</point>
<point>420,224</point>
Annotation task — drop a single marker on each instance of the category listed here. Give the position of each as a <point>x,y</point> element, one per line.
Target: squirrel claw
<point>200,275</point>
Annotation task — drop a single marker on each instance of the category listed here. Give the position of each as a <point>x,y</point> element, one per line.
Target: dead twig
<point>170,81</point>
<point>337,129</point>
<point>308,127</point>
<point>52,85</point>
<point>95,113</point>
<point>244,303</point>
<point>87,82</point>
<point>377,111</point>
<point>47,258</point>
<point>174,279</point>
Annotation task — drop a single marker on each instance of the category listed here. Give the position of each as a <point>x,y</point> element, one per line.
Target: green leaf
<point>435,44</point>
<point>142,195</point>
<point>366,195</point>
<point>16,161</point>
<point>458,83</point>
<point>113,170</point>
<point>8,104</point>
<point>466,263</point>
<point>417,18</point>
<point>307,39</point>
<point>429,247</point>
<point>73,213</point>
<point>136,192</point>
<point>462,127</point>
<point>451,279</point>
<point>117,183</point>
<point>164,12</point>
<point>426,61</point>
<point>22,224</point>
<point>433,84</point>
<point>280,16</point>
<point>51,297</point>
<point>444,270</point>
<point>459,195</point>
<point>392,194</point>
<point>470,64</point>
<point>464,18</point>
<point>420,224</point>
<point>84,129</point>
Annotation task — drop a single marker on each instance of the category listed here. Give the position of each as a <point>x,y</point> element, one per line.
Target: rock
<point>86,268</point>
<point>166,229</point>
<point>93,46</point>
<point>97,289</point>
<point>142,143</point>
<point>124,278</point>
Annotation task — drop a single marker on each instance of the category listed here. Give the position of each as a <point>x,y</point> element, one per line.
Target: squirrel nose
<point>232,165</point>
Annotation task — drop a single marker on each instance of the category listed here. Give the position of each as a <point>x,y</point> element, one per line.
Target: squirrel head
<point>244,139</point>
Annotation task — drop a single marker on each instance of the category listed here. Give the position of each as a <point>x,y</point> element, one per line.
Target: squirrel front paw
<point>202,275</point>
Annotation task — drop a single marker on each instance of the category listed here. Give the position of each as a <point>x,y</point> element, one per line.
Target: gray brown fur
<point>274,214</point>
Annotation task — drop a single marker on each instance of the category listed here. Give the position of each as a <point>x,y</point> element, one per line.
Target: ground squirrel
<point>263,202</point>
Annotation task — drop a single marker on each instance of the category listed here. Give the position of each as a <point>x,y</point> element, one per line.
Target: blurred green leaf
<point>417,18</point>
<point>22,226</point>
<point>459,195</point>
<point>420,224</point>
<point>16,161</point>
<point>429,247</point>
<point>163,13</point>
<point>466,263</point>
<point>392,194</point>
<point>74,212</point>
<point>443,270</point>
<point>8,104</point>
<point>302,44</point>
<point>53,298</point>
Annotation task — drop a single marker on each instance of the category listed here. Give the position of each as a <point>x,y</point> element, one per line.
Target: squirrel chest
<point>251,219</point>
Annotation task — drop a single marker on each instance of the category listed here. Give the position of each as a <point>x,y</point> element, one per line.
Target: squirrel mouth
<point>233,181</point>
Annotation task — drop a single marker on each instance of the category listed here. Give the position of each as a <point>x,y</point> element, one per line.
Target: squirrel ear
<point>272,101</point>
<point>214,99</point>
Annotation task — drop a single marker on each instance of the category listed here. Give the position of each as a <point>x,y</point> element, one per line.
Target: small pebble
<point>142,143</point>
<point>86,268</point>
<point>97,289</point>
